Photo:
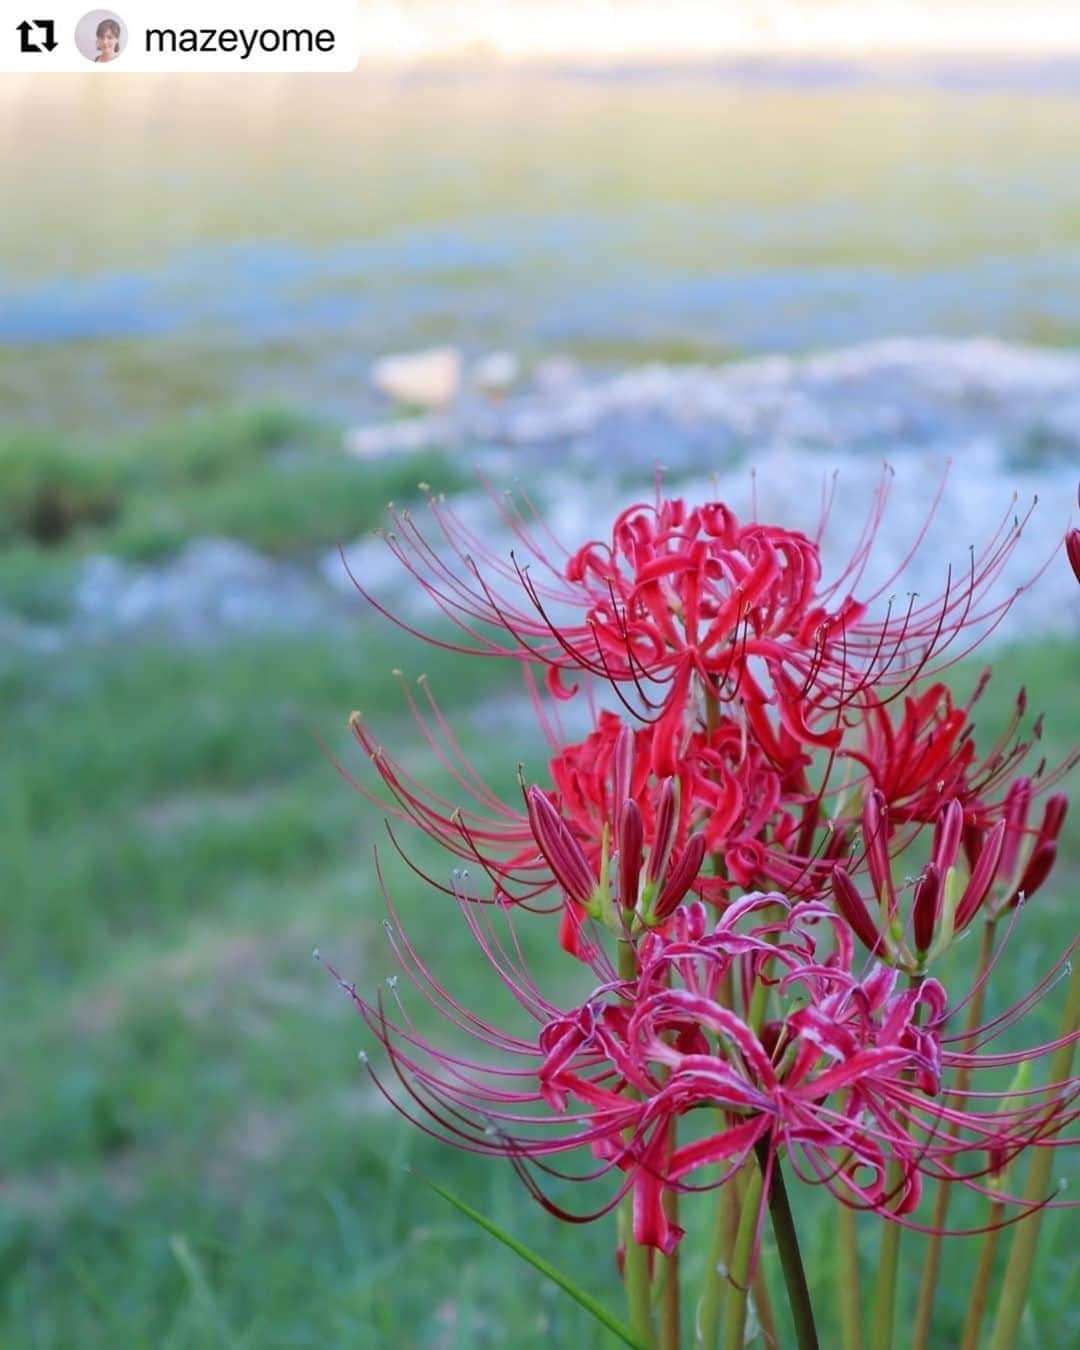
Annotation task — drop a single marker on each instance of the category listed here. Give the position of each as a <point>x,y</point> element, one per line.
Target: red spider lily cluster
<point>777,827</point>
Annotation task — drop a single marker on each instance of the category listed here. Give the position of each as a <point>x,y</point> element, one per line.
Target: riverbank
<point>217,529</point>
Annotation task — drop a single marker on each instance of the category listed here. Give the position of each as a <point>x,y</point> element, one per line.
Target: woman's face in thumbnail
<point>106,44</point>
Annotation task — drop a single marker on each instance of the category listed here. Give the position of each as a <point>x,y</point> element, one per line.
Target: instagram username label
<point>196,36</point>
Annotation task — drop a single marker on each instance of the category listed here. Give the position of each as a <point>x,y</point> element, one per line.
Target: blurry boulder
<point>556,375</point>
<point>400,438</point>
<point>212,588</point>
<point>496,373</point>
<point>424,379</point>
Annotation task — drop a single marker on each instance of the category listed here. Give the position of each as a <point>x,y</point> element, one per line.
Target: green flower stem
<point>885,1290</point>
<point>669,1301</point>
<point>636,1258</point>
<point>977,1305</point>
<point>759,1003</point>
<point>735,1301</point>
<point>636,1278</point>
<point>725,1226</point>
<point>1022,1252</point>
<point>920,1339</point>
<point>787,1242</point>
<point>848,1293</point>
<point>716,1264</point>
<point>759,1291</point>
<point>881,1335</point>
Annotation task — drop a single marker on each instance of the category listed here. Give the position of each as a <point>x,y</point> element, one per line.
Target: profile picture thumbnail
<point>101,36</point>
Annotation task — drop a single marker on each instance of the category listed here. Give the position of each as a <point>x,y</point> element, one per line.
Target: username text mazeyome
<point>239,40</point>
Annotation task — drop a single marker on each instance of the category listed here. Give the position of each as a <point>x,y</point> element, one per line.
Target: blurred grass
<point>191,1155</point>
<point>269,476</point>
<point>183,1082</point>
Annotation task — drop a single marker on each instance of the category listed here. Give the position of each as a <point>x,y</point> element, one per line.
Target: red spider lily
<point>732,713</point>
<point>768,751</point>
<point>593,782</point>
<point>728,788</point>
<point>1005,865</point>
<point>929,757</point>
<point>682,593</point>
<point>849,1080</point>
<point>763,825</point>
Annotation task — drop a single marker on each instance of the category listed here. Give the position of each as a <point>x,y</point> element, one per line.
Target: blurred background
<point>561,245</point>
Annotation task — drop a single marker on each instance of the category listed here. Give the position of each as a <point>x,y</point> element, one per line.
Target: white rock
<point>422,379</point>
<point>399,438</point>
<point>496,373</point>
<point>556,374</point>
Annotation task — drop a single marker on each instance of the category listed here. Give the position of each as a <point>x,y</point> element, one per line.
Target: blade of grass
<point>591,1305</point>
<point>203,1295</point>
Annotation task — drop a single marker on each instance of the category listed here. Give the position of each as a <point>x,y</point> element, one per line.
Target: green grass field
<point>191,1155</point>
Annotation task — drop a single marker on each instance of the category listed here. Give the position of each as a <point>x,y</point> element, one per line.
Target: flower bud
<point>561,850</point>
<point>948,832</point>
<point>631,837</point>
<point>682,877</point>
<point>1017,806</point>
<point>667,823</point>
<point>982,876</point>
<point>974,838</point>
<point>1038,868</point>
<point>850,904</point>
<point>1054,814</point>
<point>927,907</point>
<point>1072,549</point>
<point>875,839</point>
<point>623,771</point>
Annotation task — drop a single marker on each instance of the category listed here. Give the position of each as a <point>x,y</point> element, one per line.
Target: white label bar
<point>200,36</point>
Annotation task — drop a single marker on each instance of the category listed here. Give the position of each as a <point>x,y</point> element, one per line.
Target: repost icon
<point>37,35</point>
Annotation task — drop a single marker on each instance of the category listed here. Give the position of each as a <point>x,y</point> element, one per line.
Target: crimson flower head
<point>850,1077</point>
<point>678,594</point>
<point>751,683</point>
<point>728,850</point>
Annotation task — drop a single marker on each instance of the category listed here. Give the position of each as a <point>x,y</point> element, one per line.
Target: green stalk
<point>920,1339</point>
<point>669,1301</point>
<point>636,1259</point>
<point>735,1302</point>
<point>636,1278</point>
<point>787,1242</point>
<point>725,1216</point>
<point>885,1290</point>
<point>977,1305</point>
<point>848,1293</point>
<point>881,1334</point>
<point>716,1265</point>
<point>759,1292</point>
<point>1022,1252</point>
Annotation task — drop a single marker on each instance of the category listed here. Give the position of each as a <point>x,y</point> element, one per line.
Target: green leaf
<point>590,1304</point>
